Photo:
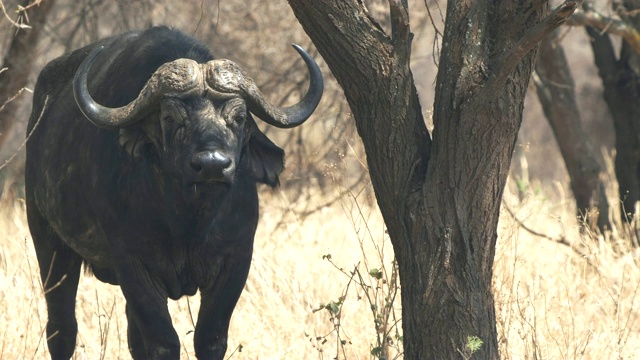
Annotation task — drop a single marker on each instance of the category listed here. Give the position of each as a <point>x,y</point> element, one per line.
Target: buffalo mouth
<point>195,188</point>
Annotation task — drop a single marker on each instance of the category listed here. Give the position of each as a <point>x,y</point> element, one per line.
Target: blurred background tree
<point>618,66</point>
<point>619,70</point>
<point>556,92</point>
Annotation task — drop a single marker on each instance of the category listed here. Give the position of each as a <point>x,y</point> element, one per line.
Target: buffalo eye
<point>173,112</point>
<point>236,118</point>
<point>168,119</point>
<point>240,117</point>
<point>234,112</point>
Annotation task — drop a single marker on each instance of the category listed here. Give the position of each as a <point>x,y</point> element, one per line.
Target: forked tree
<point>439,195</point>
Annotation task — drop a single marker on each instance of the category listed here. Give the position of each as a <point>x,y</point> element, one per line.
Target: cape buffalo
<point>142,165</point>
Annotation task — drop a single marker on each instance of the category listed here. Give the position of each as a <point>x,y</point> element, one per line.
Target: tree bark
<point>18,63</point>
<point>556,92</point>
<point>440,198</point>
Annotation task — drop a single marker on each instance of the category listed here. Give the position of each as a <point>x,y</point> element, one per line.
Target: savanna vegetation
<point>324,283</point>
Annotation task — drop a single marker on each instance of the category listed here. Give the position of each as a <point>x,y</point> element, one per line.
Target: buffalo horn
<point>177,77</point>
<point>224,76</point>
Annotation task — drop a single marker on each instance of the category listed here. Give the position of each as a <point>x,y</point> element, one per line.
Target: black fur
<point>123,202</point>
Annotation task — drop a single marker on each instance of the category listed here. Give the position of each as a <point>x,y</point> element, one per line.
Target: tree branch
<point>400,31</point>
<point>512,57</point>
<point>591,17</point>
<point>21,9</point>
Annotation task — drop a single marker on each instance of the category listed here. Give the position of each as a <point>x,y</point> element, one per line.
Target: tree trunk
<point>440,198</point>
<point>621,92</point>
<point>556,92</point>
<point>18,63</point>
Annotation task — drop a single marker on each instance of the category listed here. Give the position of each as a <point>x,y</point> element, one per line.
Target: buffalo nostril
<point>210,164</point>
<point>196,164</point>
<point>221,160</point>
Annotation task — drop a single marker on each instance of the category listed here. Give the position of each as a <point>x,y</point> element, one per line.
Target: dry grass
<point>558,302</point>
<point>273,320</point>
<point>551,303</point>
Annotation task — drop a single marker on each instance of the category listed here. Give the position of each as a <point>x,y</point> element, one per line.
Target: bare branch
<point>594,19</point>
<point>21,10</point>
<point>15,153</point>
<point>438,33</point>
<point>531,38</point>
<point>14,96</point>
<point>400,30</point>
<point>35,3</point>
<point>433,22</point>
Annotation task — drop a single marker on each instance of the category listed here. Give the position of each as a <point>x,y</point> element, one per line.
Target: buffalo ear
<point>133,141</point>
<point>266,159</point>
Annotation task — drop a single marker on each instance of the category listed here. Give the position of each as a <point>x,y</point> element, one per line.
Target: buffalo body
<point>143,164</point>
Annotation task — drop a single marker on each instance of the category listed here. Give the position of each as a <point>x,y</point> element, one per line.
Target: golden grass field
<point>551,303</point>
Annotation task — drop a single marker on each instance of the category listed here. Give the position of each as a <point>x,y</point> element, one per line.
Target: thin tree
<point>440,197</point>
<point>556,92</point>
<point>620,74</point>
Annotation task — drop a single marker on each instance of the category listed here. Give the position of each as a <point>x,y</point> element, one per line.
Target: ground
<point>552,303</point>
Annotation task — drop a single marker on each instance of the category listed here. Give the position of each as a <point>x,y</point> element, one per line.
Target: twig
<point>539,81</point>
<point>14,96</point>
<point>438,34</point>
<point>6,162</point>
<point>433,23</point>
<point>21,9</point>
<point>561,241</point>
<point>237,349</point>
<point>300,215</point>
<point>591,17</point>
<point>35,3</point>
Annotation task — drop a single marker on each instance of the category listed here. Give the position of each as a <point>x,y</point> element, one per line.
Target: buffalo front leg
<point>60,276</point>
<point>216,307</point>
<point>60,273</point>
<point>150,331</point>
<point>134,337</point>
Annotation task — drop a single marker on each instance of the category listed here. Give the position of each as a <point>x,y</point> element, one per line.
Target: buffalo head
<point>197,119</point>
